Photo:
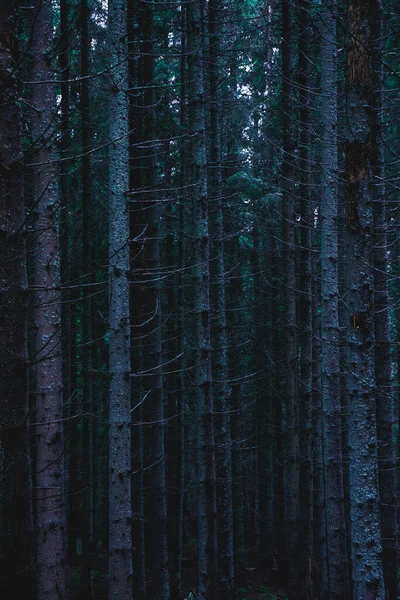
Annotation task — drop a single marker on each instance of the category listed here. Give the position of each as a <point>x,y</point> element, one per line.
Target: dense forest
<point>199,299</point>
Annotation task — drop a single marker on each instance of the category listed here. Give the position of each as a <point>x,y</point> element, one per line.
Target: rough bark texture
<point>330,360</point>
<point>16,484</point>
<point>383,362</point>
<point>51,554</point>
<point>364,493</point>
<point>120,513</point>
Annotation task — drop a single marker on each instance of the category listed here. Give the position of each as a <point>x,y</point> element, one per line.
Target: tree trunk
<point>87,315</point>
<point>207,517</point>
<point>330,359</point>
<point>291,392</point>
<point>364,493</point>
<point>16,481</point>
<point>153,380</point>
<point>136,311</point>
<point>120,512</point>
<point>305,549</point>
<point>222,421</point>
<point>51,551</point>
<point>383,362</point>
<point>321,584</point>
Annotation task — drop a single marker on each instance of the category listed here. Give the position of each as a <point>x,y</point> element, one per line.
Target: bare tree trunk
<point>383,362</point>
<point>330,360</point>
<point>321,585</point>
<point>222,421</point>
<point>87,355</point>
<point>177,527</point>
<point>207,517</point>
<point>136,311</point>
<point>51,551</point>
<point>291,392</point>
<point>364,493</point>
<point>120,512</point>
<point>16,481</point>
<point>305,549</point>
<point>153,380</point>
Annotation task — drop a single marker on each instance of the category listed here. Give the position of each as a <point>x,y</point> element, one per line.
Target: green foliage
<point>251,187</point>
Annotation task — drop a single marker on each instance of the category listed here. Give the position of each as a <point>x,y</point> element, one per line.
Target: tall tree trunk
<point>305,541</point>
<point>292,410</point>
<point>67,319</point>
<point>330,360</point>
<point>120,512</point>
<point>153,381</point>
<point>364,493</point>
<point>51,554</point>
<point>207,517</point>
<point>222,422</point>
<point>175,538</point>
<point>383,363</point>
<point>87,354</point>
<point>16,483</point>
<point>321,585</point>
<point>136,309</point>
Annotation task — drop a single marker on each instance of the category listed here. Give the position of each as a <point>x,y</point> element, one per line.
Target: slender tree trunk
<point>292,409</point>
<point>16,481</point>
<point>321,585</point>
<point>51,551</point>
<point>176,538</point>
<point>136,310</point>
<point>207,517</point>
<point>223,455</point>
<point>66,309</point>
<point>330,360</point>
<point>305,550</point>
<point>153,380</point>
<point>364,493</point>
<point>383,362</point>
<point>120,512</point>
<point>87,354</point>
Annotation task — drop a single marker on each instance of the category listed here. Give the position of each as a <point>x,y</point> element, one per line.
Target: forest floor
<point>256,587</point>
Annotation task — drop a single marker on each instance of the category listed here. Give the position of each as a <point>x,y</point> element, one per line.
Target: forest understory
<point>199,299</point>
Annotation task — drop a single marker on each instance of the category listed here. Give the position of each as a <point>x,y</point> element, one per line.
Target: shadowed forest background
<point>199,299</point>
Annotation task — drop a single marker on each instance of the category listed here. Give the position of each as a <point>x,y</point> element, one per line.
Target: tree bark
<point>120,512</point>
<point>383,362</point>
<point>291,392</point>
<point>222,421</point>
<point>16,480</point>
<point>152,342</point>
<point>330,359</point>
<point>207,510</point>
<point>305,550</point>
<point>50,478</point>
<point>87,315</point>
<point>364,493</point>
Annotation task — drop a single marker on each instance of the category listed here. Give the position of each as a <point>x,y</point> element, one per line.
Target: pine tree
<point>207,517</point>
<point>120,510</point>
<point>364,493</point>
<point>50,476</point>
<point>16,480</point>
<point>330,360</point>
